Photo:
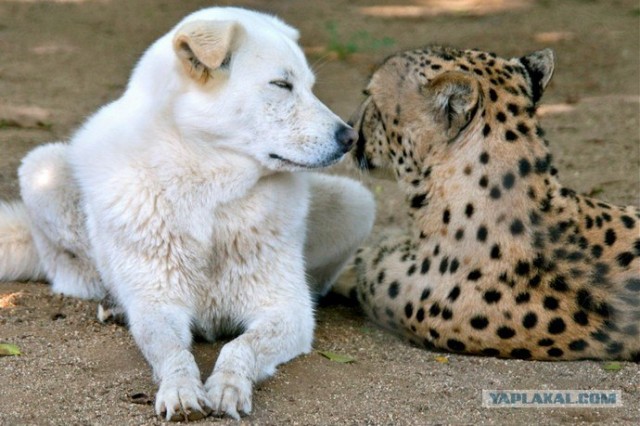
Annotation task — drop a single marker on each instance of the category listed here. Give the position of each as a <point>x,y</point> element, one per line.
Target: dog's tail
<point>19,260</point>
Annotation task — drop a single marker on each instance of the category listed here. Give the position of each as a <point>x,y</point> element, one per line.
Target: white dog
<point>180,200</point>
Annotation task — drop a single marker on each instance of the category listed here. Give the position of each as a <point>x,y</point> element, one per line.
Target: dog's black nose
<point>346,137</point>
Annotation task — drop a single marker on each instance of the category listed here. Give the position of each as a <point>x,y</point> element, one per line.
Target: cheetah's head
<point>424,107</point>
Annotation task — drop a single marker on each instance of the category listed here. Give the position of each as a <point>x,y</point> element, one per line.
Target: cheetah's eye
<point>283,84</point>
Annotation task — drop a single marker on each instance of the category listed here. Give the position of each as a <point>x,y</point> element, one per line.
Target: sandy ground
<point>61,59</point>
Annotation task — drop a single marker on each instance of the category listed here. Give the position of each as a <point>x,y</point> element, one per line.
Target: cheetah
<point>501,259</point>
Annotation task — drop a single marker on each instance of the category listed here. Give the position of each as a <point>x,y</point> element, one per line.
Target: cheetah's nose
<point>346,137</point>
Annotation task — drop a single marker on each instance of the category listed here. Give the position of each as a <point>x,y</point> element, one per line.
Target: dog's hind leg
<point>52,198</point>
<point>341,216</point>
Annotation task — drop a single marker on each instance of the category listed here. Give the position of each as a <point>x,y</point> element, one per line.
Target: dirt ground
<point>61,59</point>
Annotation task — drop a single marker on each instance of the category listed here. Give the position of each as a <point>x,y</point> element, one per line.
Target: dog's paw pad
<point>229,393</point>
<point>182,399</point>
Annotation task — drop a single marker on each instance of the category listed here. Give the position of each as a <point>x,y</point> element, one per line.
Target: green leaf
<point>343,359</point>
<point>612,366</point>
<point>7,349</point>
<point>597,190</point>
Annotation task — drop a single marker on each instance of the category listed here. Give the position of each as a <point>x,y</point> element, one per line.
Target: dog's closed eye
<point>283,84</point>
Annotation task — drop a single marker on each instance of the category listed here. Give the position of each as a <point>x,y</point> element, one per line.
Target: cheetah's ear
<point>204,46</point>
<point>540,67</point>
<point>455,98</point>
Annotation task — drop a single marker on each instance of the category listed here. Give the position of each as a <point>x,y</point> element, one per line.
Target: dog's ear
<point>204,46</point>
<point>453,98</point>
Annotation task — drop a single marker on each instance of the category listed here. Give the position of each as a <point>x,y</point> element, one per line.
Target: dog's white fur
<point>181,200</point>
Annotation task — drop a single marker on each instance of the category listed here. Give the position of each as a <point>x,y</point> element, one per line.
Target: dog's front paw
<point>182,398</point>
<point>229,393</point>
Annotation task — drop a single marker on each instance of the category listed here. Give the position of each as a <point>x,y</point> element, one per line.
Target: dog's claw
<point>182,399</point>
<point>230,394</point>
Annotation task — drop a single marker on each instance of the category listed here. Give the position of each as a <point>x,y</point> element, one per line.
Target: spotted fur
<point>501,259</point>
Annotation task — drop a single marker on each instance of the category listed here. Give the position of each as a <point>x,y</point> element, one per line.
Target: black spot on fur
<point>490,352</point>
<point>522,298</point>
<point>558,283</point>
<point>420,315</point>
<point>446,216</point>
<point>542,164</point>
<point>426,264</point>
<point>610,237</point>
<point>596,251</point>
<point>495,252</point>
<point>505,332</point>
<point>628,221</point>
<point>545,342</point>
<point>495,193</point>
<point>517,227</point>
<point>624,258</point>
<point>633,284</point>
<point>584,299</point>
<point>434,311</point>
<point>603,309</point>
<point>534,218</point>
<point>578,345</point>
<point>408,310</point>
<point>614,348</point>
<point>557,326</point>
<point>411,270</point>
<point>588,222</point>
<point>453,294</point>
<point>508,180</point>
<point>524,167</point>
<point>530,320</point>
<point>534,281</point>
<point>521,353</point>
<point>486,130</point>
<point>468,211</point>
<point>581,318</point>
<point>394,289</point>
<point>453,267</point>
<point>418,201</point>
<point>444,264</point>
<point>510,135</point>
<point>600,271</point>
<point>522,268</point>
<point>481,235</point>
<point>484,157</point>
<point>483,182</point>
<point>447,314</point>
<point>456,345</point>
<point>555,352</point>
<point>492,296</point>
<point>523,128</point>
<point>433,333</point>
<point>550,303</point>
<point>479,322</point>
<point>474,275</point>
